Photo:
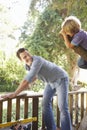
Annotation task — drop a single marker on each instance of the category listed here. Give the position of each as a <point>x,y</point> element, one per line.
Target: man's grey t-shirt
<point>44,70</point>
<point>80,38</point>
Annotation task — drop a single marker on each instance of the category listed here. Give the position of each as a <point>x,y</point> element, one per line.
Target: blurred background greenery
<point>35,24</point>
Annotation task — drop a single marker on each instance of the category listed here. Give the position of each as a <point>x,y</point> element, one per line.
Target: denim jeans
<point>82,63</point>
<point>61,88</point>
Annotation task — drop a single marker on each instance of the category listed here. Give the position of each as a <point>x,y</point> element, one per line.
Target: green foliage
<point>10,74</point>
<point>45,39</point>
<point>38,86</point>
<point>40,34</point>
<point>45,36</point>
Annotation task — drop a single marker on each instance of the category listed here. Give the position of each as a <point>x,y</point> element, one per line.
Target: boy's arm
<point>77,49</point>
<point>81,51</point>
<point>66,39</point>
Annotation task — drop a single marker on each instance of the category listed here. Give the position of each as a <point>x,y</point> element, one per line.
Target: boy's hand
<point>62,32</point>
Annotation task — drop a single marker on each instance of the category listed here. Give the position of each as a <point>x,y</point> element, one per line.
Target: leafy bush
<point>10,74</point>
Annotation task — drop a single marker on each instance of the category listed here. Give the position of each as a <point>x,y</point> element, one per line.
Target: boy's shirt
<point>80,38</point>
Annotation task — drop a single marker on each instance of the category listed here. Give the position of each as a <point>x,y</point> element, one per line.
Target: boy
<point>75,38</point>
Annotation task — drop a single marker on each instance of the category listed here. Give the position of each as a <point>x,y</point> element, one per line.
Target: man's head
<point>21,50</point>
<point>24,56</point>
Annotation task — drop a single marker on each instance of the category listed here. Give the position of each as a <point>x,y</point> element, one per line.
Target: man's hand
<point>9,95</point>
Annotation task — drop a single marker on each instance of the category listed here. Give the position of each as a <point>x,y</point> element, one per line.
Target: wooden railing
<point>77,106</point>
<point>28,106</point>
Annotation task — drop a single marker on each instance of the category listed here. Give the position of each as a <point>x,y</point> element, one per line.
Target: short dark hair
<point>20,51</point>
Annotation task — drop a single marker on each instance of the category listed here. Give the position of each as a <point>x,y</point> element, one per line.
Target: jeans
<point>82,63</point>
<point>61,88</point>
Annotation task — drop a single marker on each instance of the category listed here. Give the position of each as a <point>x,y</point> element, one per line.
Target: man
<point>56,80</point>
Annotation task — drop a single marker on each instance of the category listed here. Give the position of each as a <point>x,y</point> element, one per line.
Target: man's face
<point>26,58</point>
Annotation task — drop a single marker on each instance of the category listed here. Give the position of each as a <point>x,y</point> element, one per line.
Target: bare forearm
<point>23,85</point>
<point>67,39</point>
<point>67,42</point>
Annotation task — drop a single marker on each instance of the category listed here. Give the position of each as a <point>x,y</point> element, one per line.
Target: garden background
<point>35,24</point>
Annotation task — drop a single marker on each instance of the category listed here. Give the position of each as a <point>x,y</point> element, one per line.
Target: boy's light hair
<point>71,24</point>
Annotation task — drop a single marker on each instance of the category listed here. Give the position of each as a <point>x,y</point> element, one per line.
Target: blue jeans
<point>82,63</point>
<point>61,88</point>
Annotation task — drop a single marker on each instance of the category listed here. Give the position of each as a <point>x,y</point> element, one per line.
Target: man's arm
<point>23,85</point>
<point>81,51</point>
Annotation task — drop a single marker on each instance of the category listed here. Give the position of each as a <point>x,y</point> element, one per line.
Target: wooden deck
<point>28,106</point>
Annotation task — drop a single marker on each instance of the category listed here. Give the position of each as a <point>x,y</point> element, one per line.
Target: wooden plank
<point>1,109</point>
<point>43,124</point>
<point>35,112</point>
<point>82,105</point>
<point>58,114</point>
<point>24,121</point>
<point>86,102</point>
<point>9,109</point>
<point>26,108</point>
<point>17,108</point>
<point>76,109</point>
<point>71,107</point>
